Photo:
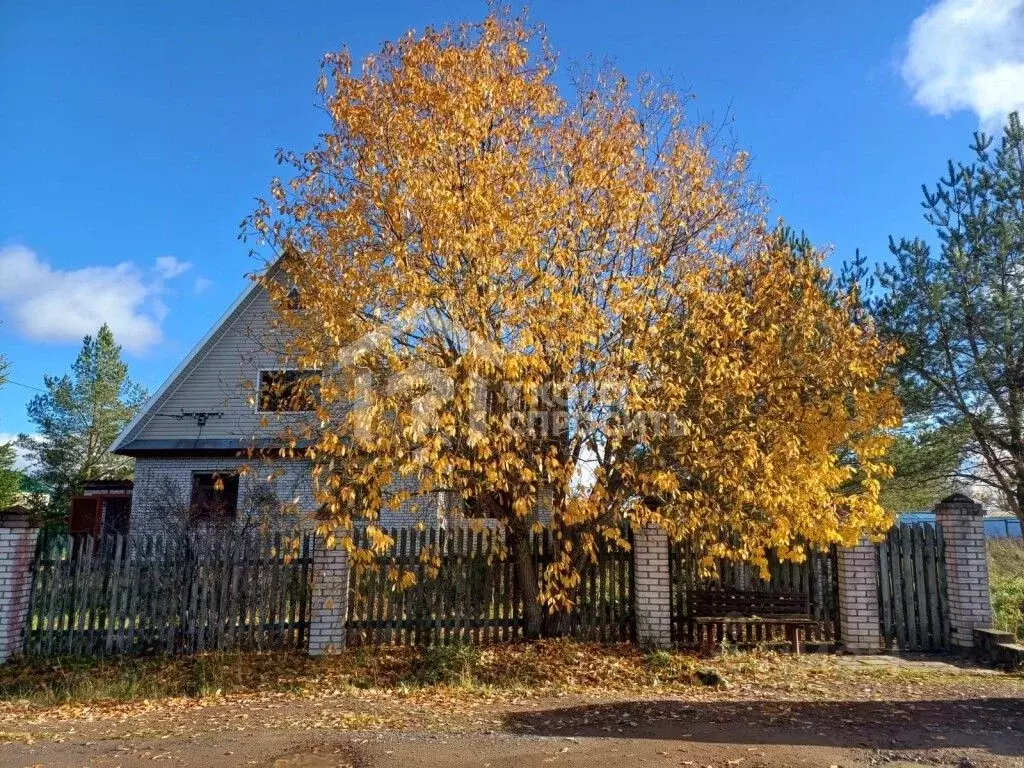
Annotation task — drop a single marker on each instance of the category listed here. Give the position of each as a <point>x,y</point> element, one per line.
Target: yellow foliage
<point>514,293</point>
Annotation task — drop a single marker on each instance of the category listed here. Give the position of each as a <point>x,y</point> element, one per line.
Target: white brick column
<point>858,598</point>
<point>329,604</point>
<point>970,602</point>
<point>17,551</point>
<point>652,598</point>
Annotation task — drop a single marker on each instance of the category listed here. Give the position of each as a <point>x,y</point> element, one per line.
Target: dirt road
<point>605,708</point>
<point>666,732</point>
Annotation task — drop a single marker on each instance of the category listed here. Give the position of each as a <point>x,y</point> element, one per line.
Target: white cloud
<point>169,267</point>
<point>21,460</point>
<point>202,285</point>
<point>968,54</point>
<point>48,304</point>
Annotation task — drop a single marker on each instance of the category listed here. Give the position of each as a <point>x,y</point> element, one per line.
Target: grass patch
<point>520,667</point>
<point>1006,576</point>
<point>449,665</point>
<point>376,673</point>
<point>67,680</point>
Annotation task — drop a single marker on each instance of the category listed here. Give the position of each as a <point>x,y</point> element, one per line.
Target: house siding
<point>215,381</point>
<point>162,483</point>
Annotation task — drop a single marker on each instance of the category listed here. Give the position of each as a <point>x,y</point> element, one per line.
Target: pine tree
<point>10,478</point>
<point>77,420</point>
<point>958,312</point>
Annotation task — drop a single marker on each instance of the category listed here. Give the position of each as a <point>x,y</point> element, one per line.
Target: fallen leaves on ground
<point>375,688</point>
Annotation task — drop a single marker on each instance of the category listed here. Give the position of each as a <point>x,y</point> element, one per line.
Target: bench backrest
<point>738,602</point>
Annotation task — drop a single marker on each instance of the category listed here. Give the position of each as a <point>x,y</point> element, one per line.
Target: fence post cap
<point>961,503</point>
<point>16,517</point>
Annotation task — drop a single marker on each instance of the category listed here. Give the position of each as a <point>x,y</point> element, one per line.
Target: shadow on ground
<point>993,724</point>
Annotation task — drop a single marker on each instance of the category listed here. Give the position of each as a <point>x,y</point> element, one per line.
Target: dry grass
<point>521,667</point>
<point>524,669</point>
<point>1006,572</point>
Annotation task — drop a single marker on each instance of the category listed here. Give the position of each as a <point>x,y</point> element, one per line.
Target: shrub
<point>448,665</point>
<point>660,661</point>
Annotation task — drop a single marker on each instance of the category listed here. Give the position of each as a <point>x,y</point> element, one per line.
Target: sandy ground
<point>977,721</point>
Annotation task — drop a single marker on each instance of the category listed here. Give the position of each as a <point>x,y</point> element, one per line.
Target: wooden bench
<point>731,611</point>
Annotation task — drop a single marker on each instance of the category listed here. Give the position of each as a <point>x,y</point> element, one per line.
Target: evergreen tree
<point>78,418</point>
<point>10,478</point>
<point>925,463</point>
<point>958,312</point>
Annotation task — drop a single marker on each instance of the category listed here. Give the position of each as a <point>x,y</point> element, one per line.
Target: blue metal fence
<point>1002,527</point>
<point>995,527</point>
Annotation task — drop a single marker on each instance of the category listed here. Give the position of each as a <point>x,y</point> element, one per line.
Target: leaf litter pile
<point>453,689</point>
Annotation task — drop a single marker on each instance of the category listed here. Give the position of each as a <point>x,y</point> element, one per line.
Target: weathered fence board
<point>809,588</point>
<point>913,613</point>
<point>465,591</point>
<point>145,594</point>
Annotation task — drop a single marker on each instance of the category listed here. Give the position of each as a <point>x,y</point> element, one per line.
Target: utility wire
<point>26,386</point>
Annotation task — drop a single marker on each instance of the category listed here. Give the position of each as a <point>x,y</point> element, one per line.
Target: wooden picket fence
<point>912,588</point>
<point>138,594</point>
<point>107,595</point>
<point>809,588</point>
<point>465,591</point>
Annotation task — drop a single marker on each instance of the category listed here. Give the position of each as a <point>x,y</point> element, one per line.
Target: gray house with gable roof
<point>190,440</point>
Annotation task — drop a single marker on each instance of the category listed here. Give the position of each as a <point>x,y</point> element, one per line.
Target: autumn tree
<point>922,458</point>
<point>571,302</point>
<point>77,419</point>
<point>957,308</point>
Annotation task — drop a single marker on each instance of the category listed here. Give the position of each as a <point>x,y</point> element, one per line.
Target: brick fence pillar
<point>652,594</point>
<point>329,605</point>
<point>17,551</point>
<point>858,598</point>
<point>970,602</point>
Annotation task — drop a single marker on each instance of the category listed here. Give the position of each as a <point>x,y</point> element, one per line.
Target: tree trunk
<point>518,537</point>
<point>1018,497</point>
<point>538,621</point>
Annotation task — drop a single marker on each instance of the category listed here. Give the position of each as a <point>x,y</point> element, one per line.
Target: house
<point>190,440</point>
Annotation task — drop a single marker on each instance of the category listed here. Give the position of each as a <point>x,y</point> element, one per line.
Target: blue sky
<point>136,136</point>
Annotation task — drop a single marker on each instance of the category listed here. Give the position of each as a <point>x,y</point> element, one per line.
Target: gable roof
<point>181,372</point>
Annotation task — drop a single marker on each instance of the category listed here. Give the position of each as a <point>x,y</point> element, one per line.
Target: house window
<point>294,299</point>
<point>214,495</point>
<point>289,390</point>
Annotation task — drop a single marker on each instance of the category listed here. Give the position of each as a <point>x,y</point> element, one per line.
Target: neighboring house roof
<point>125,443</point>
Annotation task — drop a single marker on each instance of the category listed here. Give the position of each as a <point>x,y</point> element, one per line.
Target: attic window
<point>289,390</point>
<point>294,299</point>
